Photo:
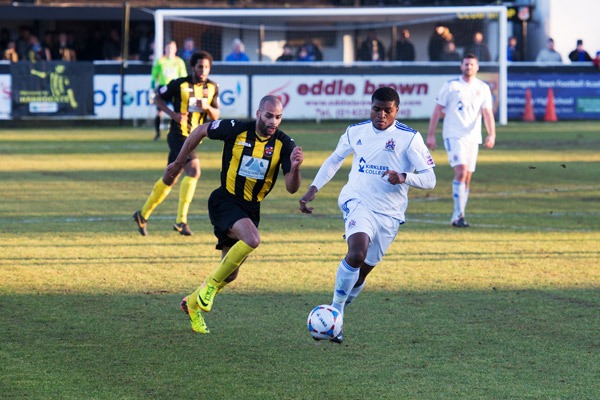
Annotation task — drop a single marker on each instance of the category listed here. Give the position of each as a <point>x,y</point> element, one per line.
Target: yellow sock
<point>186,194</point>
<point>160,191</point>
<point>233,259</point>
<point>221,285</point>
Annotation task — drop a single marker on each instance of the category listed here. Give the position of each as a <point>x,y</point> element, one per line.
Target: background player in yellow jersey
<point>164,70</point>
<point>253,153</point>
<point>194,98</point>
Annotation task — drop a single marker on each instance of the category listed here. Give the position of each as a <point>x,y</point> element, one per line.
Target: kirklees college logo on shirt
<point>371,169</point>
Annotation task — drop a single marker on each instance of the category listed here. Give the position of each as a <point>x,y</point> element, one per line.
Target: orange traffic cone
<point>550,109</point>
<point>528,115</point>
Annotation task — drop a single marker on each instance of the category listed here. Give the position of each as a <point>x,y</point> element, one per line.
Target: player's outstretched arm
<point>490,125</point>
<point>190,144</point>
<point>433,121</point>
<point>307,198</point>
<point>327,171</point>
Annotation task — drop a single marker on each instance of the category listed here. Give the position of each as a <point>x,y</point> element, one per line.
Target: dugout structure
<point>338,32</point>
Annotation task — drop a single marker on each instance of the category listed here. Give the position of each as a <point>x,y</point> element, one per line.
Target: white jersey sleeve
<point>333,163</point>
<point>327,171</point>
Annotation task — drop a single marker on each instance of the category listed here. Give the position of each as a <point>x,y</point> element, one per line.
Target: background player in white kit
<point>463,101</point>
<point>388,157</point>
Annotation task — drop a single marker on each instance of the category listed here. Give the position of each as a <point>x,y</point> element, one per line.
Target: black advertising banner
<point>52,88</point>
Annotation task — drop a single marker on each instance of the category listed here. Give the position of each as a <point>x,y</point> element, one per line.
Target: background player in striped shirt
<point>195,98</point>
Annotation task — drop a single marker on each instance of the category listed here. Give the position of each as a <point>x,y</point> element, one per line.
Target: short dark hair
<point>470,55</point>
<point>386,94</point>
<point>201,55</point>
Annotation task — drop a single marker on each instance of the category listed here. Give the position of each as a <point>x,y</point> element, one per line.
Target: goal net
<point>338,34</point>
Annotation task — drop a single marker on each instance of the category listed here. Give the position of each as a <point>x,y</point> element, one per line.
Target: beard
<point>262,128</point>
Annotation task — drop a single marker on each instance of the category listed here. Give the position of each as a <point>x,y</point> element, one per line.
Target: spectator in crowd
<point>22,42</point>
<point>302,54</point>
<point>74,42</point>
<point>372,48</point>
<point>288,53</point>
<point>238,51</point>
<point>147,47</point>
<point>596,60</point>
<point>65,51</point>
<point>36,51</point>
<point>92,50</point>
<point>579,54</point>
<point>405,50</point>
<point>512,52</point>
<point>189,48</point>
<point>479,48</point>
<point>314,52</point>
<point>548,54</point>
<point>134,45</point>
<point>4,38</point>
<point>112,46</point>
<point>49,42</point>
<point>309,51</point>
<point>439,37</point>
<point>10,52</point>
<point>450,53</point>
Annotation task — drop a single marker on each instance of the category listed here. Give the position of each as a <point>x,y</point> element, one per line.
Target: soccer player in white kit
<point>388,157</point>
<point>462,102</point>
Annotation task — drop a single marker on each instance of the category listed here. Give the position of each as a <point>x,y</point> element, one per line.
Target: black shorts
<point>175,142</point>
<point>225,210</point>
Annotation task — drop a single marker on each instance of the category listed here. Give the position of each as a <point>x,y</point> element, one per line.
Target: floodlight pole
<point>125,57</point>
<point>261,40</point>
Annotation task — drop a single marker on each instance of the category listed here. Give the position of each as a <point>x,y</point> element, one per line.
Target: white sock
<point>460,199</point>
<point>345,278</point>
<point>354,292</point>
<point>463,206</point>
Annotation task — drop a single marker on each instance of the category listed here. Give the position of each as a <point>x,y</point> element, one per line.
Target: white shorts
<point>381,229</point>
<point>462,152</point>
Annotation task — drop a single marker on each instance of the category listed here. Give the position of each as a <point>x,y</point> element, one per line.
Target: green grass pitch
<point>507,309</point>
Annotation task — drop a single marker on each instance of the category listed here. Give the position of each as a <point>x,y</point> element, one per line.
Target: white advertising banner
<point>233,96</point>
<point>320,97</point>
<point>306,97</point>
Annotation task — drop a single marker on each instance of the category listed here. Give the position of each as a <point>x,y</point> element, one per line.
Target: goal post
<point>338,32</point>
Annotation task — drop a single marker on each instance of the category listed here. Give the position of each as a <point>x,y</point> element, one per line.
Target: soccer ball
<point>324,322</point>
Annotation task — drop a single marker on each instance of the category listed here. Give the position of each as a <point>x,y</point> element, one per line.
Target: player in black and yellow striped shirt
<point>195,98</point>
<point>253,153</point>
